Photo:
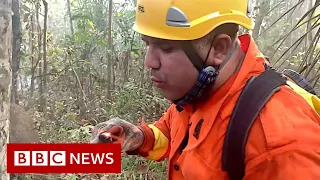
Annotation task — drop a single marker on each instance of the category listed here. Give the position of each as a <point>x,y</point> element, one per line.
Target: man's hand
<point>117,130</point>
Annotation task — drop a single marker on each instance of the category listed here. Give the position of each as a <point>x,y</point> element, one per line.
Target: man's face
<point>171,70</point>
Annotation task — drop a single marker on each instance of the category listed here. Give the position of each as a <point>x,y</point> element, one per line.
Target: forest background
<point>76,63</point>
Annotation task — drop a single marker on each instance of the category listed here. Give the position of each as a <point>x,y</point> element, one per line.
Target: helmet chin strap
<point>207,74</point>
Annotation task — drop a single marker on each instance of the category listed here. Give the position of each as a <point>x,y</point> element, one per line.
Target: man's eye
<point>167,49</point>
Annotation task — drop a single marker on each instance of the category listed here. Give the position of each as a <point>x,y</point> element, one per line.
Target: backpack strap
<point>299,80</point>
<point>252,99</point>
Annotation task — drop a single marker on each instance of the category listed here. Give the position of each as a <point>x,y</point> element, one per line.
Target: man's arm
<point>294,162</point>
<point>156,145</point>
<point>284,141</point>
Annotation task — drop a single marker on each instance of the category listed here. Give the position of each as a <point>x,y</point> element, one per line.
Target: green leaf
<point>73,177</point>
<point>53,51</point>
<point>59,105</point>
<point>90,23</point>
<point>316,13</point>
<point>86,62</point>
<point>133,53</point>
<point>74,133</point>
<point>87,129</point>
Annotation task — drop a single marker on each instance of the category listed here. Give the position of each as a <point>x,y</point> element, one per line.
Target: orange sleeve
<point>156,145</point>
<point>292,162</point>
<point>284,142</point>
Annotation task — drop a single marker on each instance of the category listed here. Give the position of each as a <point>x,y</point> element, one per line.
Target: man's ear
<point>221,45</point>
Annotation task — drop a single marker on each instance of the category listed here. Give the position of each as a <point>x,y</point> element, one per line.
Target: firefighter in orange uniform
<point>200,63</point>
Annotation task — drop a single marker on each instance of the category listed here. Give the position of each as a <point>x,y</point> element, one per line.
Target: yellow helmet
<point>189,19</point>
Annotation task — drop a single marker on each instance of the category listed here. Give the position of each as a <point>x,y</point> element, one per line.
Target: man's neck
<point>230,68</point>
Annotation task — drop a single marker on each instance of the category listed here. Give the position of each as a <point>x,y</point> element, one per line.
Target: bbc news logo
<point>58,158</point>
<point>39,158</point>
<point>63,158</point>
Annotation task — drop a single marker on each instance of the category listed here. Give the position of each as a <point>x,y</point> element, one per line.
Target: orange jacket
<point>284,142</point>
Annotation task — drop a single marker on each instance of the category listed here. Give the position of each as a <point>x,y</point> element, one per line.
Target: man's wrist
<point>148,139</point>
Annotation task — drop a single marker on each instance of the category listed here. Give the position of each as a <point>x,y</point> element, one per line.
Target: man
<point>201,65</point>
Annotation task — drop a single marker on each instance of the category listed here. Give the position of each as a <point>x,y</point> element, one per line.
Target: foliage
<point>77,65</point>
<point>77,57</point>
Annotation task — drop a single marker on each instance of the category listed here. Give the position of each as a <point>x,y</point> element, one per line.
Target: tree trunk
<point>5,81</point>
<point>264,8</point>
<point>16,54</point>
<point>40,81</point>
<point>309,38</point>
<point>33,67</point>
<point>44,97</point>
<point>113,83</point>
<point>109,85</point>
<point>141,73</point>
<point>125,66</point>
<point>142,70</point>
<point>70,19</point>
<point>290,17</point>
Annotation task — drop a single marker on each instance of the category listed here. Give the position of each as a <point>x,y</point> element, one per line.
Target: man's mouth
<point>154,79</point>
<point>158,83</point>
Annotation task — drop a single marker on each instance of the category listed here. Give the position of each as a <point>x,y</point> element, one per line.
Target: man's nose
<point>152,60</point>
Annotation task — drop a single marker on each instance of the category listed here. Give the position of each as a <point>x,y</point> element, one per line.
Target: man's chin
<point>172,98</point>
<point>168,94</point>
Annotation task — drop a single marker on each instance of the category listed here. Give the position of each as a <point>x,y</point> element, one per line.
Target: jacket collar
<point>209,110</point>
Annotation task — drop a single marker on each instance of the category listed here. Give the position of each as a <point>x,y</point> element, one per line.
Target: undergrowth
<point>62,124</point>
